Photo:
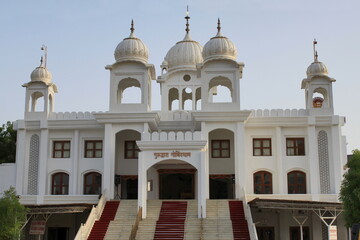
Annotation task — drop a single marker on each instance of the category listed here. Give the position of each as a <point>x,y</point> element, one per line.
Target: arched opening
<point>126,164</point>
<point>320,98</point>
<point>187,99</point>
<point>60,183</point>
<point>220,90</point>
<point>198,99</point>
<point>171,179</point>
<point>296,182</point>
<point>37,102</point>
<point>164,70</point>
<point>92,183</point>
<point>263,182</point>
<point>174,99</point>
<point>221,164</point>
<point>129,91</point>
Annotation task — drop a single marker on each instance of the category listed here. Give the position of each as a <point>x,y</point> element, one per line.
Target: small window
<point>186,78</point>
<point>262,182</point>
<point>61,149</point>
<point>262,146</point>
<point>60,184</point>
<point>295,147</point>
<point>92,183</point>
<point>93,149</point>
<point>296,182</point>
<point>131,150</point>
<point>220,148</point>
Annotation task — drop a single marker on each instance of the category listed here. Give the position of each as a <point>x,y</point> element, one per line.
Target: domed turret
<point>316,69</point>
<point>131,49</point>
<point>219,47</point>
<point>186,53</point>
<point>41,74</point>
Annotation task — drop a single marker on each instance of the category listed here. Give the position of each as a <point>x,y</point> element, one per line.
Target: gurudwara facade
<point>264,174</point>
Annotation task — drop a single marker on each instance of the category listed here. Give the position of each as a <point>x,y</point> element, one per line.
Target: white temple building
<point>285,166</point>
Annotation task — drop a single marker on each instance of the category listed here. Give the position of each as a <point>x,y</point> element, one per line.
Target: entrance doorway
<point>129,187</point>
<point>222,186</point>
<point>58,233</point>
<point>176,183</point>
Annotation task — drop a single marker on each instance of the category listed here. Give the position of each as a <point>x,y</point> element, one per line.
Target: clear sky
<point>274,40</point>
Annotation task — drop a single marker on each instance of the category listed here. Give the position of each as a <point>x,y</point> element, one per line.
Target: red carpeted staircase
<point>100,227</point>
<point>171,221</point>
<point>239,223</point>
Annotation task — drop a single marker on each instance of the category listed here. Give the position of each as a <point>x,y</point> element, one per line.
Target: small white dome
<point>41,74</point>
<point>219,47</point>
<point>317,69</point>
<point>186,53</point>
<point>131,49</point>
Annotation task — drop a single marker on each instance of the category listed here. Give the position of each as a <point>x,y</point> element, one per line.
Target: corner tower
<point>40,93</point>
<point>318,88</point>
<point>130,76</point>
<point>220,72</point>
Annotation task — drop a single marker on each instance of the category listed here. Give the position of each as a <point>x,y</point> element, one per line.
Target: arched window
<point>220,90</point>
<point>296,182</point>
<point>92,183</point>
<point>129,91</point>
<point>263,182</point>
<point>60,184</point>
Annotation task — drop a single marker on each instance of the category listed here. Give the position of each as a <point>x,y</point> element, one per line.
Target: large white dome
<point>131,49</point>
<point>186,53</point>
<point>41,74</point>
<point>219,47</point>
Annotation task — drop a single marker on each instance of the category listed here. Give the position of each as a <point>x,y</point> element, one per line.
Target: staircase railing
<point>248,216</point>
<point>136,225</point>
<point>95,214</point>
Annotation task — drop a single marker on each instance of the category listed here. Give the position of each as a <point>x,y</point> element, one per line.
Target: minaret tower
<point>40,92</point>
<point>318,88</point>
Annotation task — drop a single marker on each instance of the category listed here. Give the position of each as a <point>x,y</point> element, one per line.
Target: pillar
<point>240,160</point>
<point>142,184</point>
<point>314,178</point>
<point>20,157</point>
<point>43,157</point>
<point>279,161</point>
<point>109,161</point>
<point>74,177</point>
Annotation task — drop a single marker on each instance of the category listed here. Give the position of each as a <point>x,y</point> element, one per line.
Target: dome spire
<point>218,28</point>
<point>44,58</point>
<point>187,29</point>
<point>132,35</point>
<point>315,52</point>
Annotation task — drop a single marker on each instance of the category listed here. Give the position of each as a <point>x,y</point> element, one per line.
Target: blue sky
<point>274,40</point>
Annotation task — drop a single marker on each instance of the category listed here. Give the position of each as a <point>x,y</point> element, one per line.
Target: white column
<point>240,160</point>
<point>313,158</point>
<point>43,157</point>
<point>20,158</point>
<point>75,175</point>
<point>180,99</point>
<point>109,161</point>
<point>335,165</point>
<point>142,185</point>
<point>193,98</point>
<point>279,160</point>
<point>203,184</point>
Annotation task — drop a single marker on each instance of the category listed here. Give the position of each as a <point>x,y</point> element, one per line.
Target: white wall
<point>7,173</point>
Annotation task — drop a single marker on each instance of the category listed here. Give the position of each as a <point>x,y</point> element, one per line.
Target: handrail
<point>248,216</point>
<point>84,230</point>
<point>136,224</point>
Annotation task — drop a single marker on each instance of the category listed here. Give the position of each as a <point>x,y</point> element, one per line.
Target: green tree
<point>7,143</point>
<point>350,190</point>
<point>12,215</point>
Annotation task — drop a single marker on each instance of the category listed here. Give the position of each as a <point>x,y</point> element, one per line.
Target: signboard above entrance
<point>172,154</point>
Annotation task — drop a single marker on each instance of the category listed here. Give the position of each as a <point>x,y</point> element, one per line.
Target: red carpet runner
<point>100,227</point>
<point>171,223</point>
<point>239,223</point>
